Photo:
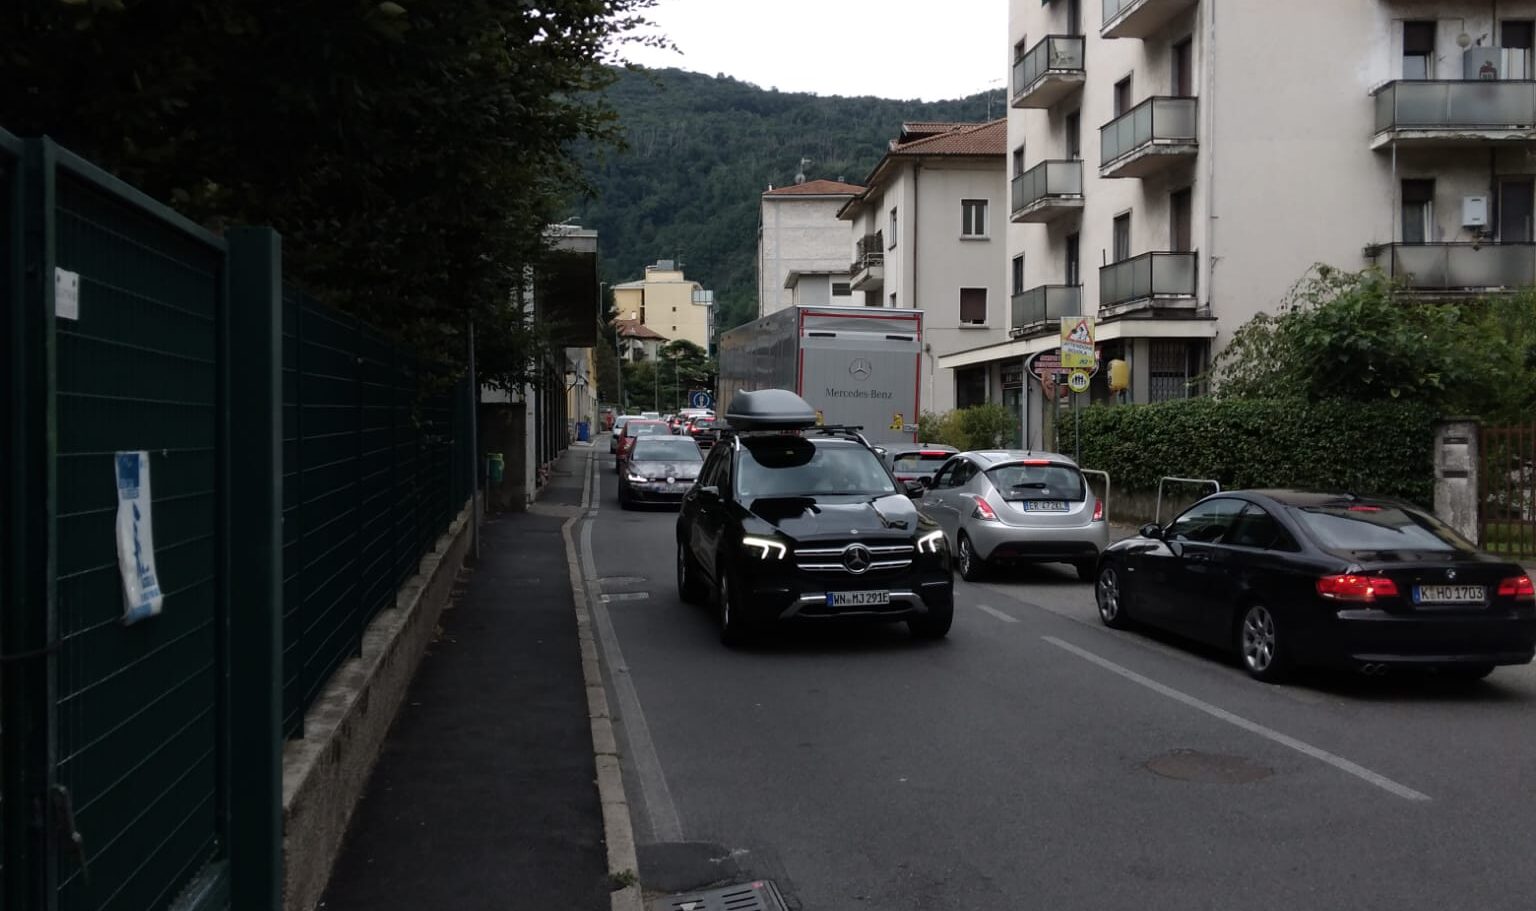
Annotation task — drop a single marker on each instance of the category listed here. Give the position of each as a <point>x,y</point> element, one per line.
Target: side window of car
<point>1257,528</point>
<point>963,473</point>
<point>709,475</point>
<point>942,476</point>
<point>1206,522</point>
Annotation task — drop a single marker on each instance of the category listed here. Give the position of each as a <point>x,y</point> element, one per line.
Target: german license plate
<point>857,599</point>
<point>1045,506</point>
<point>1449,594</point>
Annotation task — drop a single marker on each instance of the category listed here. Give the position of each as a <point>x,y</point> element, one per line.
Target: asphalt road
<point>1037,760</point>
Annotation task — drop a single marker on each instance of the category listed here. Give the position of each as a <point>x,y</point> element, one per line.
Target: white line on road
<point>1006,618</point>
<point>660,810</point>
<point>1307,749</point>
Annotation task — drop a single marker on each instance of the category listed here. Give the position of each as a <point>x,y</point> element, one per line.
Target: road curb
<point>618,827</point>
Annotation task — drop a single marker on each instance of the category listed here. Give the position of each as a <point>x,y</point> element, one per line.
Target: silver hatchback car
<point>1006,507</point>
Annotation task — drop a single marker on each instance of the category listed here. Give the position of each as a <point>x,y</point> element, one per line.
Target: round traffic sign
<point>1078,381</point>
<point>701,399</point>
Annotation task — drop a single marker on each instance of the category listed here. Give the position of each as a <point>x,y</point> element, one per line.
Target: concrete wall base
<point>325,773</point>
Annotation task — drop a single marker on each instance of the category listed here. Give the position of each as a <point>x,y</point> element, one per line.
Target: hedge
<point>1377,448</point>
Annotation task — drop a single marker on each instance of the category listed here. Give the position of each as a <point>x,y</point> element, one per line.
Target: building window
<point>1418,50</point>
<point>890,242</point>
<point>1418,211</point>
<point>973,218</point>
<point>1018,274</point>
<point>1515,37</point>
<point>1019,50</point>
<point>1074,17</point>
<point>1168,370</point>
<point>973,306</point>
<point>970,386</point>
<point>841,289</point>
<point>1515,211</point>
<point>1122,96</point>
<point>1018,161</point>
<point>1072,270</point>
<point>1122,238</point>
<point>1183,75</point>
<point>1181,221</point>
<point>1074,125</point>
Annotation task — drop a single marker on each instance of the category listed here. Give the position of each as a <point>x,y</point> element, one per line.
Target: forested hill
<point>701,151</point>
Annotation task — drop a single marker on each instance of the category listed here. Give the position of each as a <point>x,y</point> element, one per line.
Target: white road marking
<point>1306,749</point>
<point>660,810</point>
<point>1006,618</point>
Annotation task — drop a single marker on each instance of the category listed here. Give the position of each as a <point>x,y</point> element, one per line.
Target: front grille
<point>830,559</point>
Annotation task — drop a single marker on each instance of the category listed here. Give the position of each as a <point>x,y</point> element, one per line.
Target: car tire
<point>734,630</point>
<point>935,624</point>
<point>1261,644</point>
<point>1467,672</point>
<point>1087,570</point>
<point>972,567</point>
<point>1109,596</point>
<point>690,588</point>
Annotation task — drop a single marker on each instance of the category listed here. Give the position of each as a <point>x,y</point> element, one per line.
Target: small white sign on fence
<point>136,538</point>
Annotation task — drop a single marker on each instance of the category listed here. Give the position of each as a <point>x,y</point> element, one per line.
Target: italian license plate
<point>1449,594</point>
<point>857,599</point>
<point>1045,506</point>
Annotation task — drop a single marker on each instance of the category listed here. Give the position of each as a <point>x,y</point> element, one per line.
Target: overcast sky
<point>904,49</point>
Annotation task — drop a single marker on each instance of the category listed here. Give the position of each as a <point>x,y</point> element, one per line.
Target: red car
<point>632,430</point>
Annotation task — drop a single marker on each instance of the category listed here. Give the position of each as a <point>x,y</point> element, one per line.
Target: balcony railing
<point>1463,266</point>
<point>1040,306</point>
<point>1138,18</point>
<point>1046,181</point>
<point>1146,277</point>
<point>1455,104</point>
<point>868,268</point>
<point>1156,121</point>
<point>1054,59</point>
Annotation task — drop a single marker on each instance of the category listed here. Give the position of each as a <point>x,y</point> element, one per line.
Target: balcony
<point>1139,18</point>
<point>1049,72</point>
<point>1151,281</point>
<point>1454,112</point>
<point>868,269</point>
<point>1461,268</point>
<point>1047,191</point>
<point>1039,310</point>
<point>1158,134</point>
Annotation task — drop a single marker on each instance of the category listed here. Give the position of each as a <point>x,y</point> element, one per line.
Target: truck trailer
<point>856,366</point>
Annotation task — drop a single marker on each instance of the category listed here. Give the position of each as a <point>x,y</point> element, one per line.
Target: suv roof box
<point>770,409</point>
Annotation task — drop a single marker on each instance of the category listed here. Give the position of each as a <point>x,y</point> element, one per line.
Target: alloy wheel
<point>1109,596</point>
<point>1258,639</point>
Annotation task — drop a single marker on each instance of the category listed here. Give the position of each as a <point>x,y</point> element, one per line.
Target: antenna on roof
<point>800,177</point>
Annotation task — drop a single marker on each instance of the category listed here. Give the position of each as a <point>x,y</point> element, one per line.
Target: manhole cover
<point>1212,768</point>
<point>621,580</point>
<point>760,895</point>
<point>626,596</point>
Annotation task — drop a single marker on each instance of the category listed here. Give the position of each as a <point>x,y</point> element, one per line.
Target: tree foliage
<point>699,152</point>
<point>1359,337</point>
<point>663,384</point>
<point>977,427</point>
<point>410,153</point>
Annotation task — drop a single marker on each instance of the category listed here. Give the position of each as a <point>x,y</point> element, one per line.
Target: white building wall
<point>799,233</point>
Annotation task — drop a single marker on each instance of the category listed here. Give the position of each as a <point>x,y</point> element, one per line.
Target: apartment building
<point>1177,165</point>
<point>668,304</point>
<point>802,248</point>
<point>928,232</point>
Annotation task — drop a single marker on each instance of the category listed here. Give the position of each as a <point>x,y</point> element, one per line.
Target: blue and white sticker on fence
<point>136,538</point>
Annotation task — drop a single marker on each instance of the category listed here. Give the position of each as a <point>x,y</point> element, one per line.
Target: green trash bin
<point>495,467</point>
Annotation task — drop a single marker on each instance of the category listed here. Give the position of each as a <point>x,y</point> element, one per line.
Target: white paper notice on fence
<point>136,538</point>
<point>66,294</point>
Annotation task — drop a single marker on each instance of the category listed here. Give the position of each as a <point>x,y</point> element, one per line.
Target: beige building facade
<point>802,248</point>
<point>668,304</point>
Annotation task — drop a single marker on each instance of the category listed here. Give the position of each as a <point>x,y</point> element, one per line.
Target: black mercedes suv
<point>794,522</point>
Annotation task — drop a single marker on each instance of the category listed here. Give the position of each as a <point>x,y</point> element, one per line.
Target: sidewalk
<point>484,796</point>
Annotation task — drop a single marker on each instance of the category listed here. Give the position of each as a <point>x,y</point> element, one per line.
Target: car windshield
<point>795,467</point>
<point>669,449</point>
<point>703,422</point>
<point>1379,527</point>
<point>646,428</point>
<point>919,462</point>
<point>1038,482</point>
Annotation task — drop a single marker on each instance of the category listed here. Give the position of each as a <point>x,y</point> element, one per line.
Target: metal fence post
<point>255,473</point>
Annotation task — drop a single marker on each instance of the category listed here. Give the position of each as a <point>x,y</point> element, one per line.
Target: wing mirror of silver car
<point>915,489</point>
<point>1152,530</point>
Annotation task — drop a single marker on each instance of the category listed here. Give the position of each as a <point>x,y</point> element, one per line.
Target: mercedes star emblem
<point>861,368</point>
<point>1451,574</point>
<point>856,558</point>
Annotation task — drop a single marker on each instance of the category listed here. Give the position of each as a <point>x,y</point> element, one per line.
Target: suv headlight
<point>931,542</point>
<point>765,548</point>
<point>637,478</point>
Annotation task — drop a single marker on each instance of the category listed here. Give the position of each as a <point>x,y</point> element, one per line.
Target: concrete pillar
<point>1456,481</point>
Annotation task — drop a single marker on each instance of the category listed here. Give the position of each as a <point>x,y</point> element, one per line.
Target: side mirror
<point>710,491</point>
<point>926,481</point>
<point>1151,530</point>
<point>915,489</point>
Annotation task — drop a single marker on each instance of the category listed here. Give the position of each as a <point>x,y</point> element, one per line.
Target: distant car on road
<point>916,461</point>
<point>1283,578</point>
<point>633,430</point>
<point>618,430</point>
<point>704,431</point>
<point>1011,506</point>
<point>660,469</point>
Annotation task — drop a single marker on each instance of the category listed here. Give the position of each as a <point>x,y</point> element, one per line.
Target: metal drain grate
<point>760,895</point>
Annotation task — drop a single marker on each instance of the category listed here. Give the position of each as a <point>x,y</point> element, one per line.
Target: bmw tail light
<point>984,511</point>
<point>1098,510</point>
<point>1361,589</point>
<point>1519,587</point>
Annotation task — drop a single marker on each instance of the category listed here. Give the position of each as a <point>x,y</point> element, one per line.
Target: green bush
<point>1382,448</point>
<point>977,427</point>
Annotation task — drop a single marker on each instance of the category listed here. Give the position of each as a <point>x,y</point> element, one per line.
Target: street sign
<point>700,398</point>
<point>1078,381</point>
<point>1045,365</point>
<point>1077,348</point>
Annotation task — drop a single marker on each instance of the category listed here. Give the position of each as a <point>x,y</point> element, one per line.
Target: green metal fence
<point>140,762</point>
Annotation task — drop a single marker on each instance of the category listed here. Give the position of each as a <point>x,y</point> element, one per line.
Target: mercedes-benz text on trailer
<point>794,522</point>
<point>857,366</point>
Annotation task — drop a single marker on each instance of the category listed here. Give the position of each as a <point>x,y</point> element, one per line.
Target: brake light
<point>933,452</point>
<point>984,511</point>
<point>1519,587</point>
<point>1098,510</point>
<point>1365,509</point>
<point>1036,462</point>
<point>1364,589</point>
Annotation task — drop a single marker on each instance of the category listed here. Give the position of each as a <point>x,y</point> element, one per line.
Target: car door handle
<point>1197,556</point>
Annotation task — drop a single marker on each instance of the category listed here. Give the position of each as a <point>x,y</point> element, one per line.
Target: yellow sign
<point>1119,375</point>
<point>1077,347</point>
<point>1078,381</point>
<point>821,417</point>
<point>896,422</point>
